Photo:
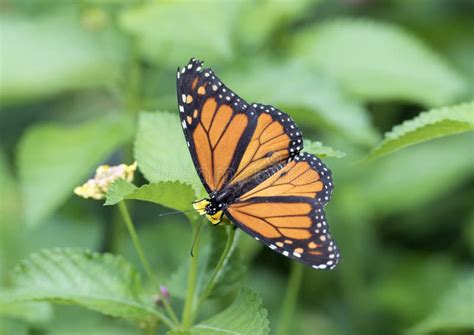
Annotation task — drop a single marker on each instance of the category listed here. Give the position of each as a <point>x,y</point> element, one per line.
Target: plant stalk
<point>187,319</point>
<point>146,265</point>
<point>226,253</point>
<point>290,299</point>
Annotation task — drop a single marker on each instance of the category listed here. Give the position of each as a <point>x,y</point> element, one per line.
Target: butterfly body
<point>249,158</point>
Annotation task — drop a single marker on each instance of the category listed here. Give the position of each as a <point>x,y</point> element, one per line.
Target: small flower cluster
<point>105,175</point>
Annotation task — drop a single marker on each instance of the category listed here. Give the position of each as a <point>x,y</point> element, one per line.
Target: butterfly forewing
<point>215,121</point>
<point>229,139</point>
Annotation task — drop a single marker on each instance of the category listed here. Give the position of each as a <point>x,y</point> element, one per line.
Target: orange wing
<point>285,212</point>
<point>274,140</point>
<point>305,176</point>
<point>229,139</point>
<point>293,226</point>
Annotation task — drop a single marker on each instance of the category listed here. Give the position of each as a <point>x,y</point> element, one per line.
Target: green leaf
<point>118,191</point>
<point>259,21</point>
<point>101,282</point>
<point>426,126</point>
<point>65,322</point>
<point>410,179</point>
<point>10,326</point>
<point>318,149</point>
<point>93,60</point>
<point>48,153</point>
<point>311,98</point>
<point>454,313</point>
<point>174,195</point>
<point>10,205</point>
<point>379,61</point>
<point>246,315</point>
<point>10,214</point>
<point>31,312</point>
<point>157,159</point>
<point>172,32</point>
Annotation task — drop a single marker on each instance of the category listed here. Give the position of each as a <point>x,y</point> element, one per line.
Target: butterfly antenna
<point>177,212</point>
<point>196,236</point>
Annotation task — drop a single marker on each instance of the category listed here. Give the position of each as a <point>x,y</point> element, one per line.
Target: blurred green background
<point>75,74</point>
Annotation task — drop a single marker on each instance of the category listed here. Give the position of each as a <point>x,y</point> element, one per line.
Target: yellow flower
<point>105,175</point>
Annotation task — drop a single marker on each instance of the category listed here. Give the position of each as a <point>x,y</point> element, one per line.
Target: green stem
<point>192,276</point>
<point>134,76</point>
<point>132,91</point>
<point>291,296</point>
<point>226,253</point>
<point>146,265</point>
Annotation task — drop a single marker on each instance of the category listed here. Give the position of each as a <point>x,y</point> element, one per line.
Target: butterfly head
<point>212,210</point>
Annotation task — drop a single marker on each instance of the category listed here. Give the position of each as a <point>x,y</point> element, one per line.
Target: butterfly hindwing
<point>285,211</point>
<point>304,176</point>
<point>293,226</point>
<point>275,139</point>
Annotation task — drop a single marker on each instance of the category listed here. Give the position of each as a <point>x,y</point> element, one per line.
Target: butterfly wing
<point>229,139</point>
<point>285,212</point>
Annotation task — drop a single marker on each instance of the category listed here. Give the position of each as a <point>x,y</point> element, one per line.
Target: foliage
<point>454,311</point>
<point>322,103</point>
<point>104,283</point>
<point>170,194</point>
<point>246,315</point>
<point>76,150</point>
<point>165,162</point>
<point>407,68</point>
<point>91,82</point>
<point>90,63</point>
<point>428,125</point>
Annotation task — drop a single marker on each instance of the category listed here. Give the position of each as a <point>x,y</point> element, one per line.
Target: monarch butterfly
<point>249,159</point>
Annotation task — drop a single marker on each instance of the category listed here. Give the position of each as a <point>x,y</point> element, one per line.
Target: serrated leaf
<point>426,126</point>
<point>51,152</point>
<point>157,159</point>
<point>169,194</point>
<point>101,282</point>
<point>93,60</point>
<point>118,191</point>
<point>246,315</point>
<point>163,30</point>
<point>318,149</point>
<point>454,313</point>
<point>310,97</point>
<point>379,61</point>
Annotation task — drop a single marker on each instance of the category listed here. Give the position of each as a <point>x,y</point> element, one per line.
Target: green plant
<point>93,83</point>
